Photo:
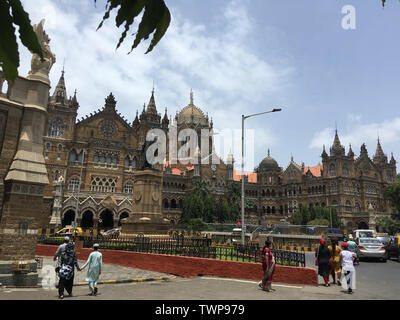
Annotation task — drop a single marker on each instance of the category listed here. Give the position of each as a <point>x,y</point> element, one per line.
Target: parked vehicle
<point>371,248</point>
<point>393,248</point>
<point>69,231</point>
<point>383,237</point>
<point>112,233</point>
<point>335,233</point>
<point>363,233</point>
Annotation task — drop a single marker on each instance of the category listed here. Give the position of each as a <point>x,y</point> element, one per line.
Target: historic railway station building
<point>110,149</point>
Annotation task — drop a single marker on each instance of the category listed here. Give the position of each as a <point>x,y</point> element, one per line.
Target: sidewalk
<point>110,274</point>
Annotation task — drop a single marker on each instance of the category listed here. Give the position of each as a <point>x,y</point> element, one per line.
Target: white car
<point>371,248</point>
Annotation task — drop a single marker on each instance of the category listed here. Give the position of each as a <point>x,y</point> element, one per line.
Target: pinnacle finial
<point>191,96</point>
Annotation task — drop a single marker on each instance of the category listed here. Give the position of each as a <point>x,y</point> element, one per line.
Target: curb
<point>85,283</point>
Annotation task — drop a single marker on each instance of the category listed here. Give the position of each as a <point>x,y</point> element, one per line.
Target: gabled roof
<point>109,112</point>
<point>315,171</point>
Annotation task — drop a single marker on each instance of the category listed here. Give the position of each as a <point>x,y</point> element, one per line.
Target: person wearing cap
<point>322,260</point>
<point>348,272</point>
<point>95,262</point>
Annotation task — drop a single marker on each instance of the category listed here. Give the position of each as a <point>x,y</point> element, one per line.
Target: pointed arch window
<point>73,156</point>
<point>126,162</point>
<point>128,187</point>
<point>46,150</point>
<point>73,184</point>
<point>332,170</point>
<point>345,171</point>
<point>59,151</point>
<point>56,128</point>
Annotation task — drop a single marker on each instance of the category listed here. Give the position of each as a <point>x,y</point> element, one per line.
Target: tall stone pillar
<point>26,177</point>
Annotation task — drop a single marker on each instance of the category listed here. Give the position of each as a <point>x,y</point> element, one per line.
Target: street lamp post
<point>244,118</point>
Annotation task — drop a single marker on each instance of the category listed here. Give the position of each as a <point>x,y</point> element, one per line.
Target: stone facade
<point>110,148</point>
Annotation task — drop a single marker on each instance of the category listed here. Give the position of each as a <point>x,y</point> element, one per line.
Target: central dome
<point>269,163</point>
<point>191,114</point>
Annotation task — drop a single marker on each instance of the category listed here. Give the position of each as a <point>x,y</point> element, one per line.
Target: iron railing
<point>192,247</point>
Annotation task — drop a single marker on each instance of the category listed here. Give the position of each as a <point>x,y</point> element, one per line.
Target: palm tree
<point>200,188</point>
<point>233,193</point>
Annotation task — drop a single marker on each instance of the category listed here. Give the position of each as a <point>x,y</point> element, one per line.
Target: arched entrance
<point>123,215</point>
<point>362,225</point>
<point>87,219</point>
<point>106,220</point>
<point>69,217</point>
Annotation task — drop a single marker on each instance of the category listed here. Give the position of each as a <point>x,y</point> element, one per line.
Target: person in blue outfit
<point>94,262</point>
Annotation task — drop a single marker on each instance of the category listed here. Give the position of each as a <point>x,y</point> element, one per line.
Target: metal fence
<point>191,247</point>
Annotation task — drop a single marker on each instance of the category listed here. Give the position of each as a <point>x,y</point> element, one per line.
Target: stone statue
<point>39,66</point>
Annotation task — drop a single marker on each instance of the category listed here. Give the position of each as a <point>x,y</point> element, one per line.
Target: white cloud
<point>227,75</point>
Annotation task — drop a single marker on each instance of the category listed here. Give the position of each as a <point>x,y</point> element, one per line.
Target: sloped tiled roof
<point>315,171</point>
<point>252,176</point>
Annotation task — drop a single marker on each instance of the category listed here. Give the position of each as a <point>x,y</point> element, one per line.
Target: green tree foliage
<point>192,207</point>
<point>388,225</point>
<point>156,19</point>
<point>208,210</point>
<point>233,193</point>
<point>306,216</point>
<point>197,224</point>
<point>392,193</point>
<point>319,222</point>
<point>12,14</point>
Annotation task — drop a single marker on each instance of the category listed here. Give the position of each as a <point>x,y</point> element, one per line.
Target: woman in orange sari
<point>268,265</point>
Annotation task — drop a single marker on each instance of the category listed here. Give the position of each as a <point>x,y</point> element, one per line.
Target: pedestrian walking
<point>352,247</point>
<point>68,262</point>
<point>348,272</point>
<point>95,262</point>
<point>61,249</point>
<point>322,260</point>
<point>268,266</point>
<point>335,267</point>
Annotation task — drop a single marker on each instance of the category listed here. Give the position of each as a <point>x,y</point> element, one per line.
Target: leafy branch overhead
<point>156,19</point>
<point>13,14</point>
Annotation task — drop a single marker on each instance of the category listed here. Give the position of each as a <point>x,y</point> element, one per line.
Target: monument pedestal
<point>146,217</point>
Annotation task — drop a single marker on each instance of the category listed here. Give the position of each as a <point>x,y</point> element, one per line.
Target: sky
<point>244,57</point>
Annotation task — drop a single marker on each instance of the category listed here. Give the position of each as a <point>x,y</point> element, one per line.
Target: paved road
<point>375,280</point>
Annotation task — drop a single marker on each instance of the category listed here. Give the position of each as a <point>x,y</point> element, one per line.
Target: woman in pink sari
<point>268,265</point>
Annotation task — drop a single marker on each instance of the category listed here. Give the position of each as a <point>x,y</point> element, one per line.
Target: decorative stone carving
<point>41,67</point>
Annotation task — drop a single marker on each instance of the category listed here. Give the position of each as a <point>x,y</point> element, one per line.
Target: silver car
<point>371,248</point>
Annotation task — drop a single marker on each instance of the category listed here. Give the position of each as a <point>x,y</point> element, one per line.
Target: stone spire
<point>74,101</point>
<point>363,151</point>
<point>110,103</point>
<point>151,106</point>
<point>350,154</point>
<point>60,93</point>
<point>379,155</point>
<point>165,120</point>
<point>392,161</point>
<point>230,160</point>
<point>136,121</point>
<point>337,149</point>
<point>324,154</point>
